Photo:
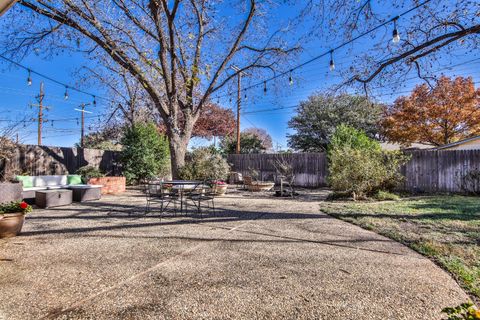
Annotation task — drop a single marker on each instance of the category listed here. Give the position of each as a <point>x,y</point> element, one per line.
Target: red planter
<point>11,224</point>
<point>111,185</point>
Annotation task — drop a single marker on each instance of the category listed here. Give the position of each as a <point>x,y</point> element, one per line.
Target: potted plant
<point>12,216</point>
<point>254,185</point>
<point>219,187</point>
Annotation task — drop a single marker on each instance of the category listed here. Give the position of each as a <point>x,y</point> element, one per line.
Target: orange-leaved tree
<point>448,112</point>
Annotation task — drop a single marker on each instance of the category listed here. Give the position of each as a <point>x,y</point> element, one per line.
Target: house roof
<point>453,144</point>
<point>412,146</point>
<point>5,5</point>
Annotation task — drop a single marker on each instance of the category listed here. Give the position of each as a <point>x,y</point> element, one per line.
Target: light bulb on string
<point>245,96</point>
<point>94,101</point>
<point>29,79</point>
<point>264,87</point>
<point>77,122</point>
<point>65,96</point>
<point>52,123</point>
<point>395,34</point>
<point>332,63</point>
<point>290,79</point>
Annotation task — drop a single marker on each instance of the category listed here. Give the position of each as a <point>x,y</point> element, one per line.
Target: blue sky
<point>62,129</point>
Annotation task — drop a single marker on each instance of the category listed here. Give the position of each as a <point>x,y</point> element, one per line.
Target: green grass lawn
<point>444,228</point>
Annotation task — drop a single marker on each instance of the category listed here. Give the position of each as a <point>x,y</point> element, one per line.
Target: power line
<point>374,88</point>
<point>330,52</point>
<point>66,85</point>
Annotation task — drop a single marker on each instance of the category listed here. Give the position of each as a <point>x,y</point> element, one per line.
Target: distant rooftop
<point>473,141</point>
<point>412,146</point>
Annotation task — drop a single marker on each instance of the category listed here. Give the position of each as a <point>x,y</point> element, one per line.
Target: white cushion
<point>34,189</point>
<point>42,181</point>
<point>85,186</point>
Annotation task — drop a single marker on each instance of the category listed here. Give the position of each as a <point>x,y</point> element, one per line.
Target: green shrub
<point>88,172</point>
<point>385,195</point>
<point>358,165</point>
<point>338,195</point>
<point>204,163</point>
<point>145,153</point>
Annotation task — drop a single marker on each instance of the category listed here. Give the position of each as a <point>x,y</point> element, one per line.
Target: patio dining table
<point>184,185</point>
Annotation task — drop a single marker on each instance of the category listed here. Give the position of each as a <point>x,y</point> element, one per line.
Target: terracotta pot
<point>11,224</point>
<point>220,189</point>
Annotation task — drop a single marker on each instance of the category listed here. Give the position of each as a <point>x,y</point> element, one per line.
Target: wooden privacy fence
<point>427,171</point>
<point>310,168</point>
<point>43,160</point>
<point>439,171</point>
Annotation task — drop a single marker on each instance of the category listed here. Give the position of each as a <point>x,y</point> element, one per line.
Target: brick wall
<point>111,185</point>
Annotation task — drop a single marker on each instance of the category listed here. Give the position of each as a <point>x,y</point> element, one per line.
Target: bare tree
<point>429,32</point>
<point>127,96</point>
<point>178,51</point>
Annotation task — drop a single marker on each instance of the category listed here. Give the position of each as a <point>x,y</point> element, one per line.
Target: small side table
<point>86,193</point>
<point>53,198</point>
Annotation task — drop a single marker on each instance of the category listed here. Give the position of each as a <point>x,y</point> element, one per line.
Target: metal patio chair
<point>162,194</point>
<point>199,195</point>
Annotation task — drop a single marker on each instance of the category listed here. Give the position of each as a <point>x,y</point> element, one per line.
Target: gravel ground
<point>259,257</point>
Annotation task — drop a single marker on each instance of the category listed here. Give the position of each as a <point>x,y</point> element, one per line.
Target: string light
<point>332,63</point>
<point>94,101</point>
<point>77,122</point>
<point>290,79</point>
<point>29,79</point>
<point>65,96</point>
<point>395,34</point>
<point>245,96</point>
<point>361,35</point>
<point>264,87</point>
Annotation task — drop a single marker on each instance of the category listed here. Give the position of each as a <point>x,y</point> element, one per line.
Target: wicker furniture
<point>39,183</point>
<point>86,193</point>
<point>53,198</point>
<point>10,192</point>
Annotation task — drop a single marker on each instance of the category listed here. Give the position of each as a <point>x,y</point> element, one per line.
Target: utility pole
<point>82,130</point>
<point>40,119</point>
<point>239,100</point>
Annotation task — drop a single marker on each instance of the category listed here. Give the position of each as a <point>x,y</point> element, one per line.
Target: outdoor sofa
<point>32,184</point>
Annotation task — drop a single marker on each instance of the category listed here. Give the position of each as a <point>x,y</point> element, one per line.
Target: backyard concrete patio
<point>260,257</point>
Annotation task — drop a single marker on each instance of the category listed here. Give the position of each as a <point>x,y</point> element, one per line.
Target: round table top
<point>178,182</point>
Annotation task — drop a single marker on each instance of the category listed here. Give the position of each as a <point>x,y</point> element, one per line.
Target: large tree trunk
<point>178,150</point>
<point>178,143</point>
